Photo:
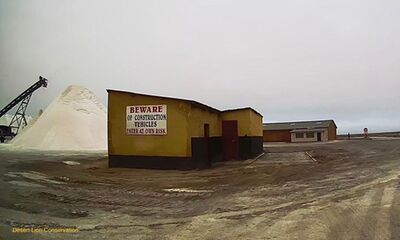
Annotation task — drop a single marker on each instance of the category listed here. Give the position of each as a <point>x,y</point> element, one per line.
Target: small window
<point>299,135</point>
<point>310,135</point>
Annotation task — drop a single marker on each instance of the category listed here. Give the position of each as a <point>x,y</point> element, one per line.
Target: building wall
<point>324,137</point>
<point>332,131</point>
<point>249,131</point>
<point>197,118</point>
<point>276,136</point>
<point>184,146</point>
<point>249,123</point>
<point>243,119</point>
<point>174,144</point>
<point>285,136</point>
<point>256,127</point>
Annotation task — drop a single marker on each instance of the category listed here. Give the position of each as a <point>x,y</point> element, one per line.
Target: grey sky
<point>290,60</point>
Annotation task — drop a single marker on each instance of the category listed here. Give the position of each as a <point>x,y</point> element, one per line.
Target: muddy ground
<point>336,190</point>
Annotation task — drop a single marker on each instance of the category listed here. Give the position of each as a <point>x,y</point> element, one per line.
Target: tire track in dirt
<point>373,212</point>
<point>371,217</point>
<point>382,227</point>
<point>394,214</point>
<point>344,220</point>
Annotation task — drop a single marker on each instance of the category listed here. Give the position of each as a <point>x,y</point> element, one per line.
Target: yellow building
<point>146,131</point>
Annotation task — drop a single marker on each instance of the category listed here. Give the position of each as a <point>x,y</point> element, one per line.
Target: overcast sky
<point>289,60</point>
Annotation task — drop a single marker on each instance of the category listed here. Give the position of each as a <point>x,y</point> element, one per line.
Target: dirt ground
<point>335,190</point>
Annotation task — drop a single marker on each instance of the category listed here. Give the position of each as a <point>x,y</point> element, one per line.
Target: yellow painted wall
<point>173,144</point>
<point>249,123</point>
<point>243,118</point>
<point>256,127</point>
<point>198,117</point>
<point>185,121</point>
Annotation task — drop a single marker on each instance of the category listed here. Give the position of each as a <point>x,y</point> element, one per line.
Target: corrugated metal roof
<point>244,108</point>
<point>298,125</point>
<point>194,103</point>
<point>308,130</point>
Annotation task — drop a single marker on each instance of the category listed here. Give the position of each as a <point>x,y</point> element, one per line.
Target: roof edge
<point>309,121</point>
<point>193,102</point>
<point>243,108</point>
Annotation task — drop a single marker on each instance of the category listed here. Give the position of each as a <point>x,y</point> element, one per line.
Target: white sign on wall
<point>146,120</point>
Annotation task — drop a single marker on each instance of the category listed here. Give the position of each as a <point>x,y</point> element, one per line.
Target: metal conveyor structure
<point>19,117</point>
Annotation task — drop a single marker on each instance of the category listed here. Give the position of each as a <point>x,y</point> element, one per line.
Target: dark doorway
<point>206,130</point>
<point>230,140</point>
<point>319,137</point>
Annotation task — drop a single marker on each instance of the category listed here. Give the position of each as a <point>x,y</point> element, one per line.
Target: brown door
<point>206,130</point>
<point>230,140</point>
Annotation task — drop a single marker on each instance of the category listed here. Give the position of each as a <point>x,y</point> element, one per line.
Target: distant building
<point>306,131</point>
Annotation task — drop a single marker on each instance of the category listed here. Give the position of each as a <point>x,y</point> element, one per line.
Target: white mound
<point>75,120</point>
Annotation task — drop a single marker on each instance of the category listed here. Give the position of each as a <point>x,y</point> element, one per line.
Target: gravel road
<point>335,190</point>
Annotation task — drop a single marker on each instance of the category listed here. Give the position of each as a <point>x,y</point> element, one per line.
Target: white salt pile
<point>75,120</point>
